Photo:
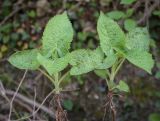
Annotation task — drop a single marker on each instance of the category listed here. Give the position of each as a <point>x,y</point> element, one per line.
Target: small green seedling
<point>115,48</point>
<point>54,56</point>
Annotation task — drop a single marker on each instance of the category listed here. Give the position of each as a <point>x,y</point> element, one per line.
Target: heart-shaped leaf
<point>26,59</point>
<point>53,66</point>
<point>110,34</point>
<point>122,86</point>
<point>141,59</point>
<point>58,35</point>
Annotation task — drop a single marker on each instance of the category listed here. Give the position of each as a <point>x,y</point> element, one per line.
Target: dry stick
<point>19,102</point>
<point>3,94</point>
<point>137,4</point>
<point>10,15</point>
<point>13,12</point>
<point>26,106</point>
<point>3,60</point>
<point>146,15</point>
<point>35,94</point>
<point>146,11</point>
<point>11,103</point>
<point>31,102</point>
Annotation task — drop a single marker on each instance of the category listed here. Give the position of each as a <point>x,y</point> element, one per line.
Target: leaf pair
<point>84,61</point>
<point>138,42</point>
<point>53,55</point>
<point>134,46</point>
<point>114,43</point>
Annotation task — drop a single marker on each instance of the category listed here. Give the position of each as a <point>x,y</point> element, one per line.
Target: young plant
<point>54,56</point>
<point>115,48</point>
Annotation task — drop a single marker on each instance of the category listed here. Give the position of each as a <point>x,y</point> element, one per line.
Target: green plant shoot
<point>54,54</point>
<point>115,47</point>
<point>107,59</point>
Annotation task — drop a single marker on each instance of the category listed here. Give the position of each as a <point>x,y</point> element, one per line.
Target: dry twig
<point>32,103</point>
<point>11,103</point>
<point>148,10</point>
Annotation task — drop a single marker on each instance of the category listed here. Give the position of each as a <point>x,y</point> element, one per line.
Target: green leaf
<point>138,39</point>
<point>157,75</point>
<point>110,34</point>
<point>129,24</point>
<point>81,62</point>
<point>97,57</point>
<point>122,86</point>
<point>141,59</point>
<point>129,13</point>
<point>53,66</point>
<point>116,15</point>
<point>68,104</point>
<point>127,2</point>
<point>101,73</point>
<point>31,13</point>
<point>84,61</point>
<point>26,59</point>
<point>156,13</point>
<point>154,117</point>
<point>6,28</point>
<point>107,62</point>
<point>58,35</point>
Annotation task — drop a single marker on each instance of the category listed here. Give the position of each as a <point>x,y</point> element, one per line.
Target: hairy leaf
<point>58,35</point>
<point>101,73</point>
<point>139,39</point>
<point>107,61</point>
<point>53,66</point>
<point>84,61</point>
<point>81,62</point>
<point>116,15</point>
<point>122,86</point>
<point>97,57</point>
<point>129,24</point>
<point>110,34</point>
<point>142,59</point>
<point>26,59</point>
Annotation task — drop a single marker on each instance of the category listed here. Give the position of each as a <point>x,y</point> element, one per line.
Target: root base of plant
<point>110,106</point>
<point>61,115</point>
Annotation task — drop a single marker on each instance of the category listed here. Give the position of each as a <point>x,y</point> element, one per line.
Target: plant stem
<point>62,78</point>
<point>56,77</point>
<point>119,66</point>
<point>56,83</point>
<point>114,71</point>
<point>49,77</point>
